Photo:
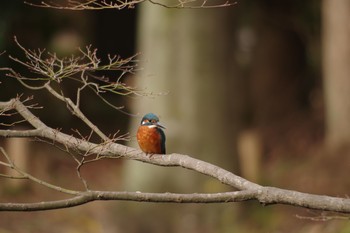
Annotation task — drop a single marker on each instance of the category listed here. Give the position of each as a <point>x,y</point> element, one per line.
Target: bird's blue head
<point>150,124</point>
<point>151,119</point>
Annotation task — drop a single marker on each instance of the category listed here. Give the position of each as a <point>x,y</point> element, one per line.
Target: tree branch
<point>77,112</point>
<point>248,190</point>
<point>89,196</point>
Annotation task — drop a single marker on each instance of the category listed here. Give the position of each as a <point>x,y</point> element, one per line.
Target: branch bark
<point>89,196</point>
<point>247,190</point>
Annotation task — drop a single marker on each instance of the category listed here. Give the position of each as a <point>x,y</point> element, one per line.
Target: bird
<point>150,135</point>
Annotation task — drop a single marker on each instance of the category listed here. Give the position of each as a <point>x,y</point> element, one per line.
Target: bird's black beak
<point>160,126</point>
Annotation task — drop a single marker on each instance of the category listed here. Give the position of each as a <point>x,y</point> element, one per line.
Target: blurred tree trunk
<point>187,54</point>
<point>18,148</point>
<point>336,67</point>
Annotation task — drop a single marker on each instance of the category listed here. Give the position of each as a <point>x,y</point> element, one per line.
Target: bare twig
<point>80,164</point>
<point>49,69</point>
<point>25,175</point>
<point>77,112</point>
<point>122,4</point>
<point>324,217</point>
<point>195,4</point>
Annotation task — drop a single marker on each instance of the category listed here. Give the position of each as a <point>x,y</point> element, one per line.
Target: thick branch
<point>272,195</point>
<point>266,195</point>
<point>90,196</point>
<point>250,191</point>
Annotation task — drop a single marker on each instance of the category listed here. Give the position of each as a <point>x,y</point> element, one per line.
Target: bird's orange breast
<point>149,140</point>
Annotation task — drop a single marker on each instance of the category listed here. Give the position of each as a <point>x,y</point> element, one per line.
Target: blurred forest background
<point>260,89</point>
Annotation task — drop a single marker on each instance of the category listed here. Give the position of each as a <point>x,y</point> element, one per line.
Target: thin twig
<point>26,175</point>
<point>121,4</point>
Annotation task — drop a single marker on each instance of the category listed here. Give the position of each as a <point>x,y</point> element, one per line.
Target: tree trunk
<point>187,54</point>
<point>336,68</point>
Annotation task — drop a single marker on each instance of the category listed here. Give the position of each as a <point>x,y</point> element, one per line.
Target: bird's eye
<point>153,121</point>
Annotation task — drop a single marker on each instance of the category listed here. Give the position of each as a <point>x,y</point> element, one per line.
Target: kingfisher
<point>150,136</point>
